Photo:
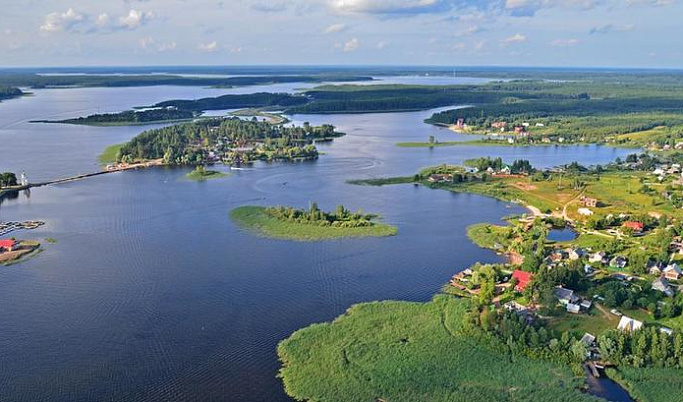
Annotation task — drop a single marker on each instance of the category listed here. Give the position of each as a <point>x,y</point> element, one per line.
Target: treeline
<point>648,347</point>
<point>134,116</point>
<point>7,92</point>
<point>260,99</point>
<point>8,179</point>
<point>191,143</point>
<point>341,217</point>
<point>519,166</point>
<point>87,80</point>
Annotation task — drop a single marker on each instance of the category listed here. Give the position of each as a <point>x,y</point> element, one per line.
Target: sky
<point>574,33</point>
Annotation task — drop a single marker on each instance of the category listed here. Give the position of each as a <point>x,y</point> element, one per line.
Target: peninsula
<point>309,225</point>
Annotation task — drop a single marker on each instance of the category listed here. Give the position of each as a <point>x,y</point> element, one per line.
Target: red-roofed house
<point>8,245</point>
<point>523,279</point>
<point>636,226</point>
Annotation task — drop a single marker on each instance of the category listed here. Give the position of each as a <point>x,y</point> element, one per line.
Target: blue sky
<point>613,33</point>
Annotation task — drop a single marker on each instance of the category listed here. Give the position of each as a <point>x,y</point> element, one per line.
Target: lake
<point>151,293</point>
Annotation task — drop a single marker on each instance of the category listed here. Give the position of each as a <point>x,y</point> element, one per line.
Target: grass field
<point>400,351</point>
<point>255,219</point>
<point>109,154</point>
<point>489,236</point>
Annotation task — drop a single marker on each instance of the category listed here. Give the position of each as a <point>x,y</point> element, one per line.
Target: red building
<point>636,226</point>
<point>523,279</point>
<point>8,245</point>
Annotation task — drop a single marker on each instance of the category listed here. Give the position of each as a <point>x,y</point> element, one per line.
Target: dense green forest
<point>86,80</point>
<point>341,217</point>
<point>131,117</point>
<point>7,92</point>
<point>233,140</point>
<point>260,99</point>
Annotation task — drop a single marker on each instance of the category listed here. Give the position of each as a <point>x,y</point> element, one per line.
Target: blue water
<point>151,293</point>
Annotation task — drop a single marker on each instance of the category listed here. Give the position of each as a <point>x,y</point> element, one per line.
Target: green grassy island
<point>401,351</point>
<point>200,173</point>
<point>309,225</point>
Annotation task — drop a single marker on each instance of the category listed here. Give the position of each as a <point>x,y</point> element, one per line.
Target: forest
<point>341,217</point>
<point>7,92</point>
<point>132,117</point>
<point>260,99</point>
<point>233,139</point>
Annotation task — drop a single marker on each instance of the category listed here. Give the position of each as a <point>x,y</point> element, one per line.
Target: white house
<point>628,324</point>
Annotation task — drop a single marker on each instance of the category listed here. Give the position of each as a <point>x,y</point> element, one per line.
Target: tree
<point>8,179</point>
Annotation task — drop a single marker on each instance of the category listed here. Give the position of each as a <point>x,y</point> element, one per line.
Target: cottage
<point>519,129</point>
<point>672,272</point>
<point>665,330</point>
<point>662,285</point>
<point>618,262</point>
<point>586,304</point>
<point>8,245</point>
<point>499,124</point>
<point>585,212</point>
<point>573,308</point>
<point>565,296</point>
<point>588,339</point>
<point>637,227</point>
<point>440,178</point>
<point>523,279</point>
<point>506,170</point>
<point>599,258</point>
<point>655,268</point>
<point>575,254</point>
<point>588,202</point>
<point>628,324</point>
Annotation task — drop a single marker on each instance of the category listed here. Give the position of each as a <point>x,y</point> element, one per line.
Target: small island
<point>10,92</point>
<point>13,251</point>
<point>200,173</point>
<point>309,225</point>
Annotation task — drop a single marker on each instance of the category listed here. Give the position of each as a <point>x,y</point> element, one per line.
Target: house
<point>588,339</point>
<point>618,262</point>
<point>506,170</point>
<point>637,227</point>
<point>665,330</point>
<point>585,212</point>
<point>440,178</point>
<point>523,279</point>
<point>628,324</point>
<point>662,285</point>
<point>655,268</point>
<point>519,129</point>
<point>499,124</point>
<point>557,256</point>
<point>565,296</point>
<point>540,125</point>
<point>588,202</point>
<point>8,245</point>
<point>599,258</point>
<point>575,254</point>
<point>672,272</point>
<point>586,304</point>
<point>573,308</point>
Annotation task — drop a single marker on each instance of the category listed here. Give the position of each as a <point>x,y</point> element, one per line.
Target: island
<point>14,251</point>
<point>605,300</point>
<point>200,173</point>
<point>229,140</point>
<point>7,92</point>
<point>309,225</point>
<point>130,117</point>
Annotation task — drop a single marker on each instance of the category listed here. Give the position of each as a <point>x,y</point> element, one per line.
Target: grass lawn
<point>489,236</point>
<point>594,322</point>
<point>255,219</point>
<point>402,351</point>
<point>109,154</point>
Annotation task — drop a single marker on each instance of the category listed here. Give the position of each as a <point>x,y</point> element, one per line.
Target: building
<point>573,308</point>
<point>598,258</point>
<point>618,262</point>
<point>588,202</point>
<point>585,212</point>
<point>8,245</point>
<point>586,304</point>
<point>588,339</point>
<point>523,279</point>
<point>637,227</point>
<point>672,272</point>
<point>440,178</point>
<point>662,285</point>
<point>628,324</point>
<point>565,296</point>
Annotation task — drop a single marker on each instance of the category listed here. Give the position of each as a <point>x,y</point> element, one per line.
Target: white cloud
<point>58,22</point>
<point>564,42</point>
<point>381,45</point>
<point>469,31</point>
<point>102,20</point>
<point>389,6</point>
<point>351,45</point>
<point>516,38</point>
<point>208,47</point>
<point>334,28</point>
<point>134,19</point>
<point>151,43</point>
